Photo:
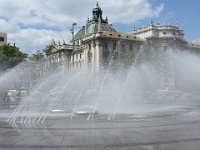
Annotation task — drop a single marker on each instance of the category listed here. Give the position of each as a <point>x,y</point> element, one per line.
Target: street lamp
<point>72,30</point>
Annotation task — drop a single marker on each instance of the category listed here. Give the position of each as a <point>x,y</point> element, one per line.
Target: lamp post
<point>72,30</point>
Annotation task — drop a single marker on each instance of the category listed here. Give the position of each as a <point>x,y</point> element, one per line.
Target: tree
<point>124,61</point>
<point>48,49</point>
<point>10,56</point>
<point>37,56</point>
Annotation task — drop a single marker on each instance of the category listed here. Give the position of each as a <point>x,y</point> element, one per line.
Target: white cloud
<point>36,39</point>
<point>32,24</point>
<point>130,11</point>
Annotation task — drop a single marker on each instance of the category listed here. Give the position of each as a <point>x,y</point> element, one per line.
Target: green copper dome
<point>92,24</point>
<point>93,28</point>
<point>80,33</point>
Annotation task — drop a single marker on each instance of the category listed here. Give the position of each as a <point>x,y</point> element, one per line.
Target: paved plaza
<point>170,128</point>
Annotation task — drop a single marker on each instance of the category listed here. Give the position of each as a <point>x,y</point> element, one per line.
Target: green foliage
<point>37,57</point>
<point>48,49</point>
<point>123,62</point>
<point>10,56</point>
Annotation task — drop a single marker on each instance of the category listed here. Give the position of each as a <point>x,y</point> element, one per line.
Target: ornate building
<point>98,42</point>
<point>166,35</point>
<point>95,44</point>
<point>162,42</point>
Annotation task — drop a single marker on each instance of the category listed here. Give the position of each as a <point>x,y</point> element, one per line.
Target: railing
<point>156,28</point>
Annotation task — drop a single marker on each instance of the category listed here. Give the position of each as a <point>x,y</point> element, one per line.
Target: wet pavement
<point>168,129</point>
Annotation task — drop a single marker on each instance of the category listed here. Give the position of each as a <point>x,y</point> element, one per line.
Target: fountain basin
<point>59,111</point>
<point>86,111</point>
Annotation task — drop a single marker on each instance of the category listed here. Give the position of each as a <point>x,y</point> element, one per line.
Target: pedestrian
<point>6,97</point>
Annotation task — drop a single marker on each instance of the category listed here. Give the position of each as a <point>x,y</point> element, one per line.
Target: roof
<point>80,33</point>
<point>93,28</point>
<point>124,36</point>
<point>193,45</point>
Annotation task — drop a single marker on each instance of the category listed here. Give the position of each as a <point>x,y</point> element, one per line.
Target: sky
<point>32,24</point>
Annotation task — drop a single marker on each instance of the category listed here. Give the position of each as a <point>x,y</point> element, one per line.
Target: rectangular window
<point>123,48</point>
<point>114,47</point>
<point>131,47</point>
<point>1,39</point>
<point>89,47</point>
<point>106,45</point>
<point>80,56</point>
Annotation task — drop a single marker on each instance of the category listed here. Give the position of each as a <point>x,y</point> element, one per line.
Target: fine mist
<point>132,90</point>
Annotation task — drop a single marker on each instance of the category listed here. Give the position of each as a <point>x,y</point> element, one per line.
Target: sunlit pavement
<point>167,128</point>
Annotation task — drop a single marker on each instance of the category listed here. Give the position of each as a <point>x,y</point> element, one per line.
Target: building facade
<point>95,44</point>
<point>98,42</point>
<point>166,36</point>
<point>162,42</point>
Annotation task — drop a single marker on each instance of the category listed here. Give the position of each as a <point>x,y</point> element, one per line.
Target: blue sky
<point>32,24</point>
<point>185,12</point>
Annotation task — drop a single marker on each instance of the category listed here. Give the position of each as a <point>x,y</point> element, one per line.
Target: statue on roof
<point>53,42</point>
<point>169,23</point>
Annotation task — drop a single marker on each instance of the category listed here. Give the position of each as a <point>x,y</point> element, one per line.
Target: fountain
<point>102,90</point>
<point>93,98</point>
